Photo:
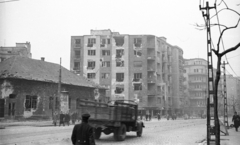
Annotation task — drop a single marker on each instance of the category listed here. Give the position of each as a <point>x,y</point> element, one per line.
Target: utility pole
<point>225,110</point>
<point>213,128</point>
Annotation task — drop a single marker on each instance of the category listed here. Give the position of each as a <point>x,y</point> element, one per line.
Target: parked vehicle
<point>117,117</point>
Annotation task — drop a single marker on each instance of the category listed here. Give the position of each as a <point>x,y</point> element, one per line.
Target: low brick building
<point>28,87</point>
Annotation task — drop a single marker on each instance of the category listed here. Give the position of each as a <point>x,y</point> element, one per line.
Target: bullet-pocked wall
<point>27,99</point>
<point>120,69</point>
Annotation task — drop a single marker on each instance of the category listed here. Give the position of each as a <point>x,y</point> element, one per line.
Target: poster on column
<point>64,102</point>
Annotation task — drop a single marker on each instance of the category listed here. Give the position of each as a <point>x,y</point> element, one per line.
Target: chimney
<point>42,58</point>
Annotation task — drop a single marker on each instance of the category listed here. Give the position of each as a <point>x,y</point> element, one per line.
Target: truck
<point>116,116</point>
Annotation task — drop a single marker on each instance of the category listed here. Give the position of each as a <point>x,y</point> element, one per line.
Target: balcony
<point>152,80</point>
<point>196,89</point>
<point>151,57</point>
<point>197,73</point>
<point>151,69</point>
<point>197,82</point>
<point>77,45</point>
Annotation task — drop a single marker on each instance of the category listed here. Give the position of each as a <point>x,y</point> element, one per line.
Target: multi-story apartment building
<point>21,49</point>
<point>233,93</point>
<point>196,80</point>
<point>133,67</point>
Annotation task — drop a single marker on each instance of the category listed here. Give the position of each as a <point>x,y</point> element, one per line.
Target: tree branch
<point>229,50</point>
<point>227,28</point>
<point>215,51</point>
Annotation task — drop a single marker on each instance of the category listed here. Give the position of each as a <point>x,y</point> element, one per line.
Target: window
<point>119,41</point>
<point>31,102</point>
<point>103,42</point>
<point>69,103</point>
<point>119,77</point>
<point>50,103</point>
<point>76,66</point>
<point>119,63</point>
<point>91,75</point>
<point>91,65</point>
<point>77,53</point>
<point>119,53</point>
<point>119,90</point>
<point>105,52</point>
<point>137,64</point>
<point>91,52</point>
<point>137,87</point>
<point>137,42</point>
<point>105,75</point>
<point>159,100</point>
<point>108,40</point>
<point>106,64</point>
<point>91,41</point>
<point>138,53</point>
<point>137,77</point>
<point>77,41</point>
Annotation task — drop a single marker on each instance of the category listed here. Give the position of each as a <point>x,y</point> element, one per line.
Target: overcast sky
<point>49,24</point>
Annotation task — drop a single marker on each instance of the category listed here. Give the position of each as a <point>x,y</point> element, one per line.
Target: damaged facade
<point>133,67</point>
<point>29,87</point>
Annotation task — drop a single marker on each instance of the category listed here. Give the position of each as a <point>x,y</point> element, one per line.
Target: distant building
<point>21,49</point>
<point>196,81</point>
<point>133,67</point>
<point>29,86</point>
<point>233,93</point>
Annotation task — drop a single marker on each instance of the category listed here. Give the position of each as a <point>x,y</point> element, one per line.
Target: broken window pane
<point>30,102</point>
<point>137,42</point>
<point>91,65</point>
<point>138,53</point>
<point>119,63</point>
<point>106,64</point>
<point>137,87</point>
<point>105,52</point>
<point>103,42</point>
<point>119,90</point>
<point>77,53</point>
<point>137,77</point>
<point>119,77</point>
<point>119,41</point>
<point>91,41</point>
<point>119,53</point>
<point>105,75</point>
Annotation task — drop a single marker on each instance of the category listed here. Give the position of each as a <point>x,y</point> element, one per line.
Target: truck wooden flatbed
<point>117,117</point>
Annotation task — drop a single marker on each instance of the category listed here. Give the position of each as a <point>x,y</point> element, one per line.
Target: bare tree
<point>220,55</point>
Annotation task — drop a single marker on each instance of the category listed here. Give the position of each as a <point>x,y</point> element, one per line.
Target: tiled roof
<point>32,69</point>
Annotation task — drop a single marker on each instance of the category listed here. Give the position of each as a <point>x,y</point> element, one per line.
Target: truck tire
<point>98,132</point>
<point>120,133</point>
<point>140,129</point>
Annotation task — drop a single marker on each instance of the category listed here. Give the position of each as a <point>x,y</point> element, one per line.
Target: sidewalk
<point>232,139</point>
<point>36,123</point>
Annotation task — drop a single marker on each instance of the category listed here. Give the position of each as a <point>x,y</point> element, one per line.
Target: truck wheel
<point>120,133</point>
<point>98,132</point>
<point>140,129</point>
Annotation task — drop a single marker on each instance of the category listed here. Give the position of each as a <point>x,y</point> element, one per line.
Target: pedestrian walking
<point>236,120</point>
<point>146,117</point>
<point>150,116</point>
<point>62,119</point>
<point>83,133</point>
<point>158,116</point>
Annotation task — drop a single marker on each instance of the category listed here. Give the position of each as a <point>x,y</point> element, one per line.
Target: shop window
<point>30,102</point>
<point>119,77</point>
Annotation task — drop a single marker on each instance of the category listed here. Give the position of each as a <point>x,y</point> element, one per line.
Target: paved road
<point>177,132</point>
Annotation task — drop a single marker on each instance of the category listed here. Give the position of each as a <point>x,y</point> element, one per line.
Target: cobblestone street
<point>172,132</point>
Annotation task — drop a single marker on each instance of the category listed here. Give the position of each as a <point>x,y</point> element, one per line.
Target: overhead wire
<point>222,41</point>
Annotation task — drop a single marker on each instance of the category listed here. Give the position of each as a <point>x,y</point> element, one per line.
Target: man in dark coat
<point>62,119</point>
<point>236,120</point>
<point>83,133</point>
